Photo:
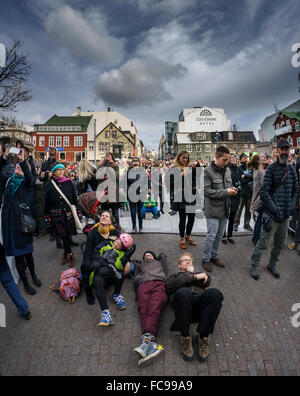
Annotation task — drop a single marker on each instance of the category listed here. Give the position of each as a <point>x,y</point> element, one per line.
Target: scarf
<point>103,230</point>
<point>15,183</point>
<point>61,179</point>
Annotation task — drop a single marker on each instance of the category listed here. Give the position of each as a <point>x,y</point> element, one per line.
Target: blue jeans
<point>9,285</point>
<point>257,228</point>
<point>150,210</point>
<point>215,231</point>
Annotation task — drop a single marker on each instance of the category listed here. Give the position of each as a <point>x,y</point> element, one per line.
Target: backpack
<point>68,285</point>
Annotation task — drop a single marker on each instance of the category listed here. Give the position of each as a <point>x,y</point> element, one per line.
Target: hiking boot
<point>152,353</point>
<point>186,348</point>
<point>207,265</point>
<point>106,319</point>
<point>203,348</point>
<point>254,273</point>
<point>218,263</point>
<point>273,271</point>
<point>119,301</point>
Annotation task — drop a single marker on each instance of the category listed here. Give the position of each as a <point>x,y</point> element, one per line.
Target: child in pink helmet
<point>109,267</point>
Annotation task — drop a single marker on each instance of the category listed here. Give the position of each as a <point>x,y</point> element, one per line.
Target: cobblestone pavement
<point>253,336</point>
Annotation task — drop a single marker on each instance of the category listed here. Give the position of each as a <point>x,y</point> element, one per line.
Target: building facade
<point>11,132</point>
<point>287,126</point>
<point>67,133</point>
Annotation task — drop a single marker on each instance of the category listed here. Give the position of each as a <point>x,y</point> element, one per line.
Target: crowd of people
<point>264,188</point>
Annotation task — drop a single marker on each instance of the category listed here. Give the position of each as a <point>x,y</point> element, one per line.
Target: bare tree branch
<point>13,78</point>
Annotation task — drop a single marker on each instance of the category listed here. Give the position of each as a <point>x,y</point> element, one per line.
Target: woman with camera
<point>17,238</point>
<point>236,176</point>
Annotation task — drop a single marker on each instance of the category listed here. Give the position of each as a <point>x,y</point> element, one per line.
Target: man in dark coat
<point>279,195</point>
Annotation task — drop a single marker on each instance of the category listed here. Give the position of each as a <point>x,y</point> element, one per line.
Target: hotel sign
<point>206,120</point>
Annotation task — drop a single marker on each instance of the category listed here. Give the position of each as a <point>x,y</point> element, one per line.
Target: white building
<point>203,119</point>
<point>105,118</point>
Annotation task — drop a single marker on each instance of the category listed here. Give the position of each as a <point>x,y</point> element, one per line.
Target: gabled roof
<point>290,114</point>
<point>82,121</point>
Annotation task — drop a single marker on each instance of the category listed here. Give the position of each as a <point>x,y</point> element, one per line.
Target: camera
<point>107,164</point>
<point>238,186</point>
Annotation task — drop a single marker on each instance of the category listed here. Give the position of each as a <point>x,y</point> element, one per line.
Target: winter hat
<point>149,251</point>
<point>283,143</point>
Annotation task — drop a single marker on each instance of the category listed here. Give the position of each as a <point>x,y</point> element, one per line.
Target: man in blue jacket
<point>279,195</point>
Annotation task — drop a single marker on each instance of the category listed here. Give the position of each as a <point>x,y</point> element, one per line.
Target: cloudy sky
<point>149,59</point>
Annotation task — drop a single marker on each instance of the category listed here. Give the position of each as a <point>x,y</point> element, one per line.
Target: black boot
<point>30,264</point>
<point>30,290</point>
<point>35,280</point>
<point>273,270</point>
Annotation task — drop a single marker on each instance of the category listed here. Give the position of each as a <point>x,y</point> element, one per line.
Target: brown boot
<point>203,348</point>
<point>64,259</point>
<point>72,261</point>
<point>207,265</point>
<point>218,262</point>
<point>186,348</point>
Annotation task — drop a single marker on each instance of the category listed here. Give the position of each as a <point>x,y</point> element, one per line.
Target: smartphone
<point>14,150</point>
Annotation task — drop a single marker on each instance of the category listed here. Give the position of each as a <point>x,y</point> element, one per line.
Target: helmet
<point>126,240</point>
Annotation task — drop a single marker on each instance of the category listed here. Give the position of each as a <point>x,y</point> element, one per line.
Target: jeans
<point>150,210</point>
<point>9,285</point>
<point>136,209</point>
<point>215,231</point>
<point>279,233</point>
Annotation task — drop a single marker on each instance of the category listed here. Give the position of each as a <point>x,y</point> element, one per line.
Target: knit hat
<point>149,251</point>
<point>283,143</point>
<point>243,155</point>
<point>57,166</point>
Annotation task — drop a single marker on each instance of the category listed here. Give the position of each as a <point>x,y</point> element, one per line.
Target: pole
<point>95,146</point>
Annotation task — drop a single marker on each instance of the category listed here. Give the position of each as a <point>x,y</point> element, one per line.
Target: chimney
<point>78,111</point>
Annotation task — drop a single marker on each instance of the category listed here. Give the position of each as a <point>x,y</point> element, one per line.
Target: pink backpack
<point>69,285</point>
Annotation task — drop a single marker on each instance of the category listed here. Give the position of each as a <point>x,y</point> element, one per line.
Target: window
<point>101,146</point>
<point>51,141</point>
<point>62,156</point>
<point>114,134</point>
<point>42,140</point>
<point>288,122</point>
<point>207,148</point>
<point>201,136</point>
<point>66,141</point>
<point>91,146</point>
<point>230,135</point>
<point>298,142</point>
<point>107,146</point>
<point>198,148</point>
<point>290,140</point>
<point>277,126</point>
<point>58,141</point>
<point>78,156</point>
<point>107,135</point>
<point>78,141</point>
<point>34,140</point>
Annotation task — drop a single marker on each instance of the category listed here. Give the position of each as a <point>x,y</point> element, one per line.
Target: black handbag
<point>28,224</point>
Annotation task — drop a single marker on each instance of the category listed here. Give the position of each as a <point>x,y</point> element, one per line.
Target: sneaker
<point>248,228</point>
<point>224,240</point>
<point>27,316</point>
<point>106,319</point>
<point>134,230</point>
<point>292,246</point>
<point>119,301</point>
<point>230,240</point>
<point>152,352</point>
<point>235,228</point>
<point>142,348</point>
<point>141,231</point>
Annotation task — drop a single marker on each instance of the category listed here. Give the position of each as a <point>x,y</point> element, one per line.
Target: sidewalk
<point>253,336</point>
